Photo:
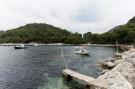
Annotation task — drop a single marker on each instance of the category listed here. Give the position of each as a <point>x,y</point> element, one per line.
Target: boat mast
<point>64,59</point>
<point>134,44</point>
<point>117,46</point>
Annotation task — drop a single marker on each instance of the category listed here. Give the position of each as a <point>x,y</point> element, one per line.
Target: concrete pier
<point>91,82</point>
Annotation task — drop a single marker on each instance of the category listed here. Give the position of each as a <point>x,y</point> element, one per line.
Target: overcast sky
<point>74,15</point>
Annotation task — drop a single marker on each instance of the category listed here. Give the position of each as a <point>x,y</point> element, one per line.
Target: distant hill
<point>39,33</point>
<point>124,34</point>
<point>44,33</point>
<point>116,28</point>
<point>129,25</point>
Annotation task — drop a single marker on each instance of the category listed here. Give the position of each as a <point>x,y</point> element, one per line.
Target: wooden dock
<point>92,82</point>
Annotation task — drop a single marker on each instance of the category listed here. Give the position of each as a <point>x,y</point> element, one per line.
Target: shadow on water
<point>86,55</point>
<point>72,84</point>
<point>61,83</point>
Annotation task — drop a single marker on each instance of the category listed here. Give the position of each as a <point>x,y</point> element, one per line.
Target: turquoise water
<point>40,67</point>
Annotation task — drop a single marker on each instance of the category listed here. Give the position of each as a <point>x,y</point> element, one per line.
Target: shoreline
<point>61,44</point>
<point>122,75</point>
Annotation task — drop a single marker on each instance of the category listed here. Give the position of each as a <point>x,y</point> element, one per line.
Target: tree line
<point>44,33</point>
<point>40,33</point>
<point>124,34</point>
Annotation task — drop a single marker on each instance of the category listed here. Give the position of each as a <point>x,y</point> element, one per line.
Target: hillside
<point>124,34</point>
<point>115,28</point>
<point>40,33</point>
<point>44,33</point>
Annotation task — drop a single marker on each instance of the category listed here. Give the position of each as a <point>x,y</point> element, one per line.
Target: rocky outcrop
<point>122,76</point>
<point>116,80</point>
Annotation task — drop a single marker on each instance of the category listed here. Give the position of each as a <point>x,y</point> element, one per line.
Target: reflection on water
<point>41,67</point>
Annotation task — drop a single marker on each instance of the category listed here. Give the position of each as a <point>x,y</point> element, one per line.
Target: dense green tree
<point>123,34</point>
<point>87,36</point>
<point>44,33</point>
<point>40,33</point>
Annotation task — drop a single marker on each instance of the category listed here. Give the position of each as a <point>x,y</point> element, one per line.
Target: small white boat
<point>21,46</point>
<point>82,51</point>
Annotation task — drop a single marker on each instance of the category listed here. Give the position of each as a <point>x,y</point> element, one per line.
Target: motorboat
<point>22,46</point>
<point>82,51</point>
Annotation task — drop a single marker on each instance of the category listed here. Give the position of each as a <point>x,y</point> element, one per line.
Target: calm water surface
<point>40,67</point>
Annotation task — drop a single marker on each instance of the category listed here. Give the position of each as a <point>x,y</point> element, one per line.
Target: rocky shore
<point>120,73</point>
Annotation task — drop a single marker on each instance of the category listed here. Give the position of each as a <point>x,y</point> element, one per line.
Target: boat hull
<point>82,53</point>
<point>20,47</point>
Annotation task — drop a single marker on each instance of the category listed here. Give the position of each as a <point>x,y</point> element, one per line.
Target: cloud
<point>87,16</point>
<point>74,15</point>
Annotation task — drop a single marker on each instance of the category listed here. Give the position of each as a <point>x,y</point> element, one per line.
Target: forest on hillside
<point>40,33</point>
<point>124,34</point>
<point>44,33</point>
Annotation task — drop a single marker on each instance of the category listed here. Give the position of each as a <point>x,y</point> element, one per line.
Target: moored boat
<point>20,46</point>
<point>82,51</point>
<point>118,55</point>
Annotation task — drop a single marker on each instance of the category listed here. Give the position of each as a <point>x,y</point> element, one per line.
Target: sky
<point>81,16</point>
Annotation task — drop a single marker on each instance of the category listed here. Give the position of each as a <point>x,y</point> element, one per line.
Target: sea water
<point>40,67</point>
